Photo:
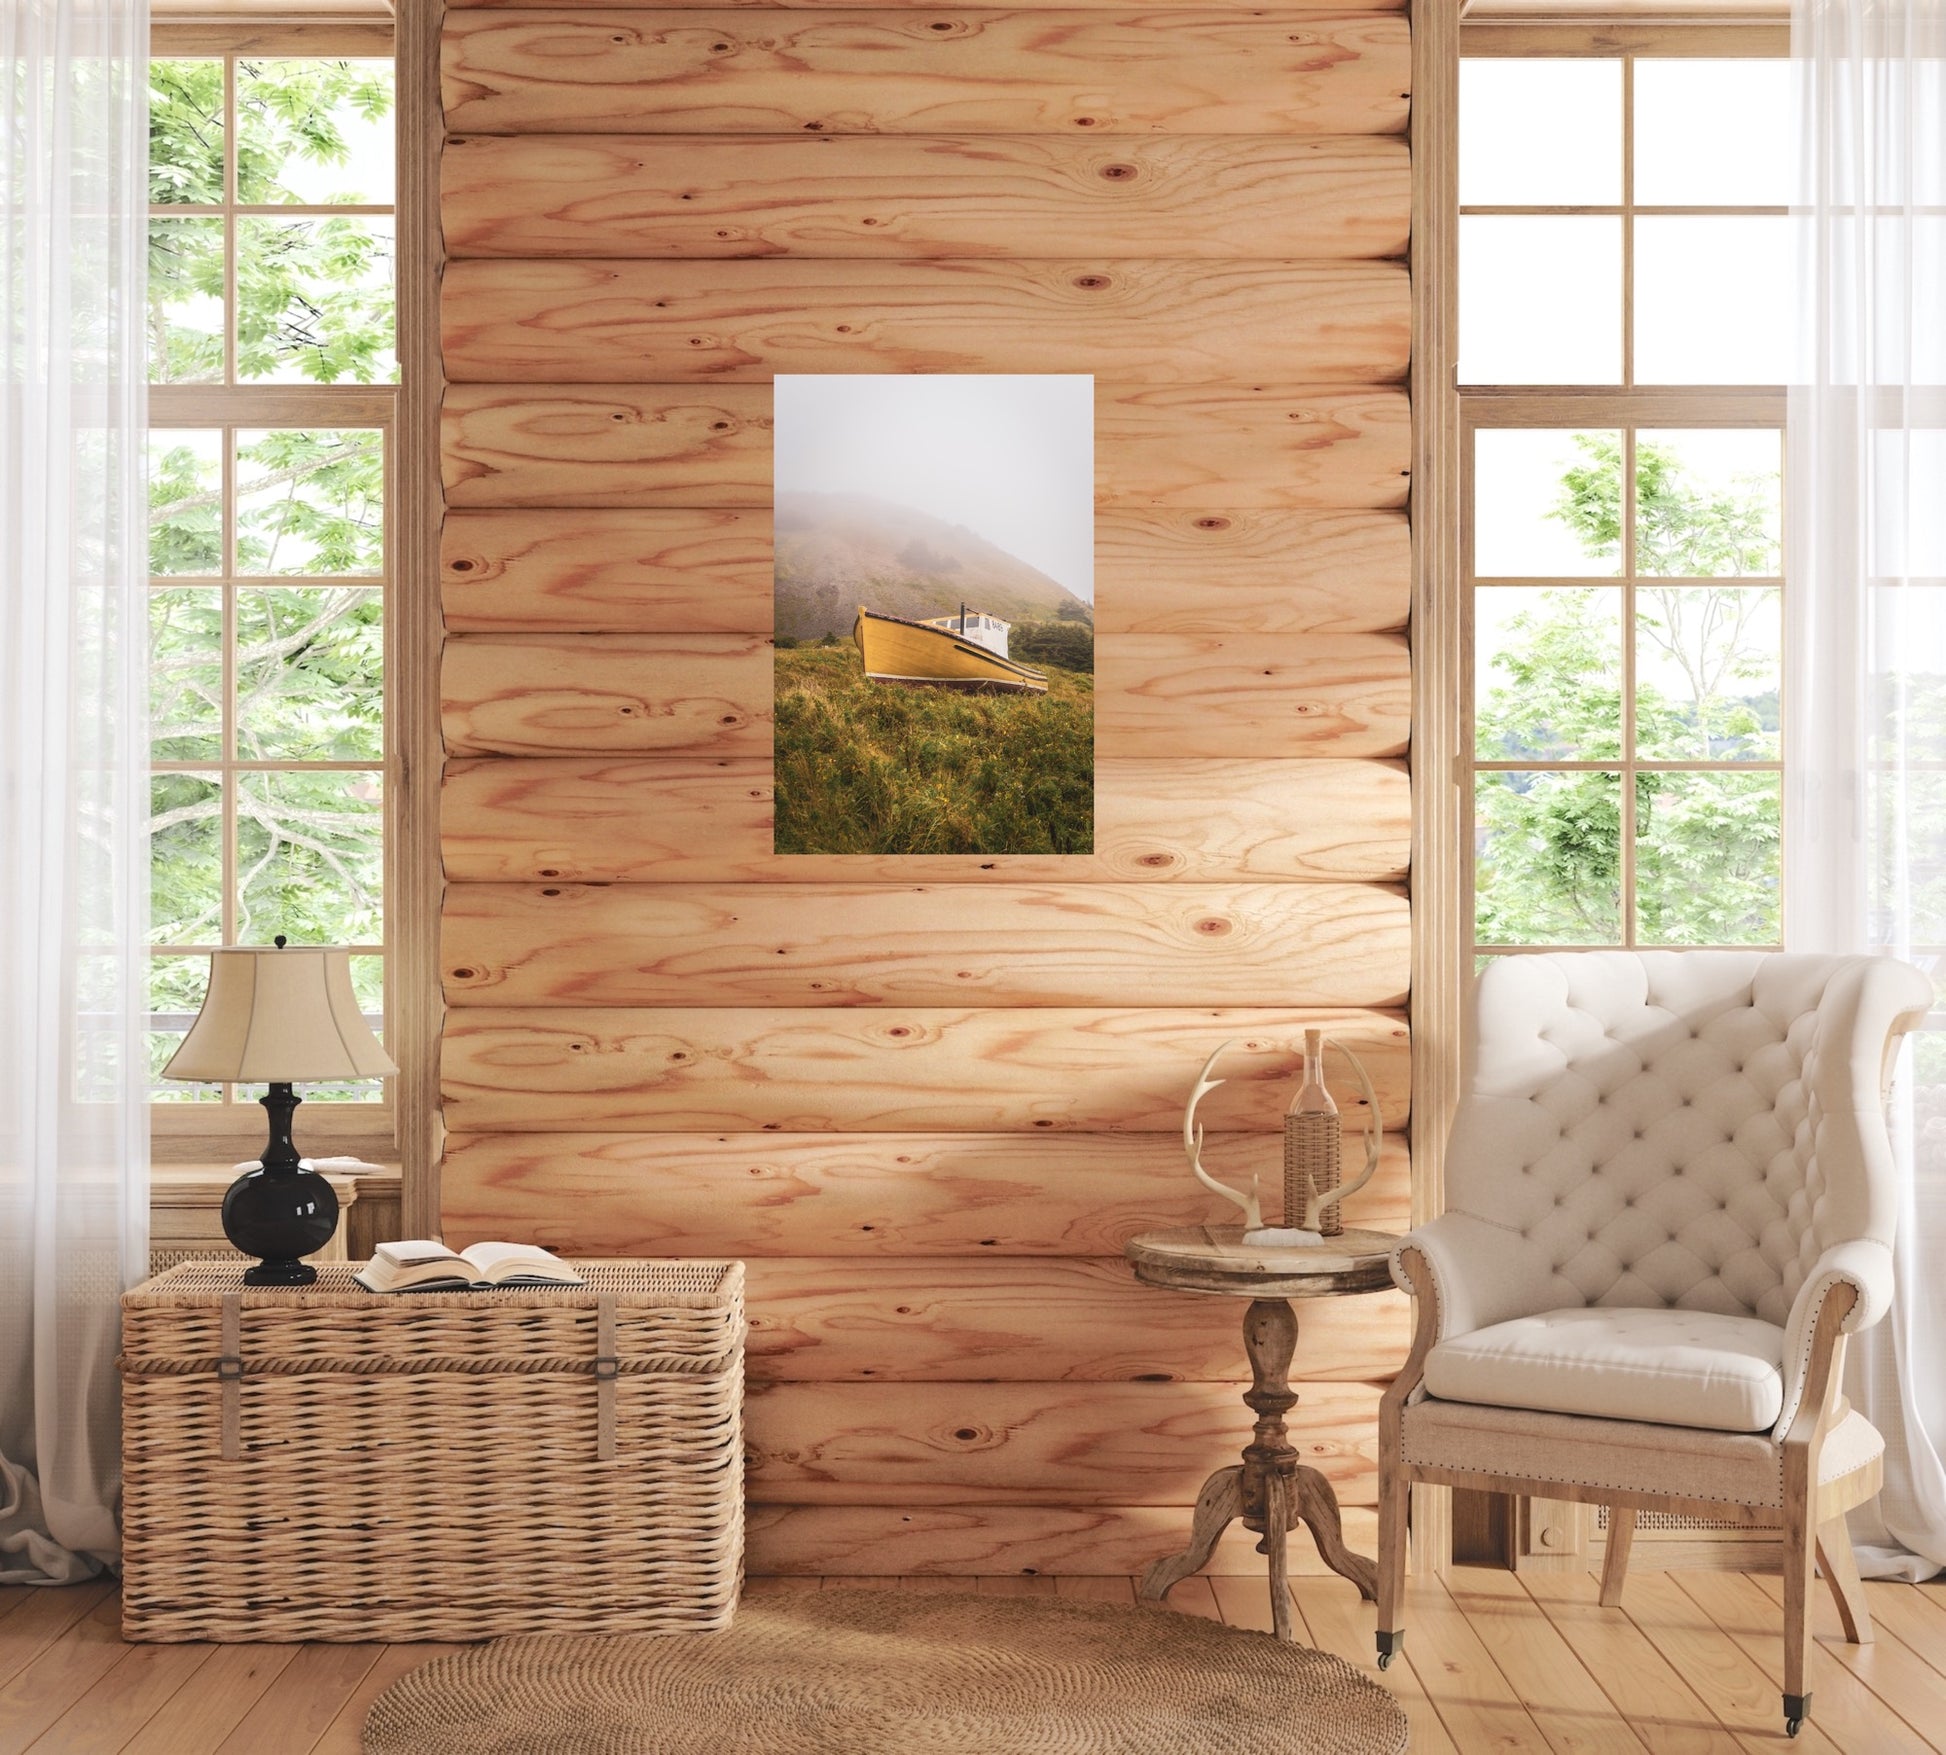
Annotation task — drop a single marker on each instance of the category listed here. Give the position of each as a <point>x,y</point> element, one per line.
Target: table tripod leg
<point>1218,1506</point>
<point>1280,1512</point>
<point>1313,1503</point>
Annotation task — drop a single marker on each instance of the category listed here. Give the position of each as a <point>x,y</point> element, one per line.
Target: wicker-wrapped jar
<point>330,1464</point>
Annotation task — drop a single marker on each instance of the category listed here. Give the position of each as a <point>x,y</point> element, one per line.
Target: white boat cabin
<point>983,630</point>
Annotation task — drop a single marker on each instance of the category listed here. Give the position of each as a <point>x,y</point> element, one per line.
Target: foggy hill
<point>836,551</point>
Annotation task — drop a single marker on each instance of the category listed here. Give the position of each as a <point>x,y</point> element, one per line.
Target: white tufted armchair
<point>1670,1194</point>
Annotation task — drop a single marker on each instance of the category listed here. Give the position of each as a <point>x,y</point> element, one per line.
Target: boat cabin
<point>983,630</point>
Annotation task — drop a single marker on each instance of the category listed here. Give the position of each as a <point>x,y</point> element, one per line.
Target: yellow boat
<point>964,651</point>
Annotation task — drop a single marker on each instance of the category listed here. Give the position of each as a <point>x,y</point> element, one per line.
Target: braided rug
<point>842,1672</point>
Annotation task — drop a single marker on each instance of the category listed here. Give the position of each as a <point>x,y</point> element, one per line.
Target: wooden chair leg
<point>1840,1568</point>
<point>1394,1502</point>
<point>1614,1562</point>
<point>1800,1547</point>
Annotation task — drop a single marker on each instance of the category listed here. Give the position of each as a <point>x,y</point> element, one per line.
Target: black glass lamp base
<point>281,1273</point>
<point>280,1211</point>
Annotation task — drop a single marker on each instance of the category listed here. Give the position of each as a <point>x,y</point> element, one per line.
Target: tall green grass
<point>867,767</point>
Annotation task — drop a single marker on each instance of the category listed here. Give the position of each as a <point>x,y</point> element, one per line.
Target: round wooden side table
<point>1271,1490</point>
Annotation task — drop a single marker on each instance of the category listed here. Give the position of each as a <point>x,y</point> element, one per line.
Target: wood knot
<point>1214,928</point>
<point>1091,282</point>
<point>1156,861</point>
<point>460,566</point>
<point>464,974</point>
<point>1212,524</point>
<point>1084,121</point>
<point>1117,173</point>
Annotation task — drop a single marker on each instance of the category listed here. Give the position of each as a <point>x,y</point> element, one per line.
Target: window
<point>272,405</point>
<point>1623,244</point>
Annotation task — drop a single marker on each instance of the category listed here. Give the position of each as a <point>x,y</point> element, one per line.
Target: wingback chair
<point>1670,1195</point>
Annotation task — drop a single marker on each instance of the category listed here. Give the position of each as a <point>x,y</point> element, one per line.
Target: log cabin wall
<point>927,1098</point>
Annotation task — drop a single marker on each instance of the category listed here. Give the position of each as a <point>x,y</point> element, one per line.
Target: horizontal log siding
<point>926,1099</point>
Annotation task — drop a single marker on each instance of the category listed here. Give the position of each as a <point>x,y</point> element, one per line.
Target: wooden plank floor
<point>1688,1666</point>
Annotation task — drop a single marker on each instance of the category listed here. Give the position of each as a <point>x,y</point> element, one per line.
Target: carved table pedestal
<point>1271,1490</point>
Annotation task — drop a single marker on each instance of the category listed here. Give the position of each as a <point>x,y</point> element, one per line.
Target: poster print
<point>935,614</point>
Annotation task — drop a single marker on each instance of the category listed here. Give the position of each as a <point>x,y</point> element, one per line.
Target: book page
<point>488,1258</point>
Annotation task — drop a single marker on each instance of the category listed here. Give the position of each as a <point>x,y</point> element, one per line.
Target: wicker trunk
<point>332,1464</point>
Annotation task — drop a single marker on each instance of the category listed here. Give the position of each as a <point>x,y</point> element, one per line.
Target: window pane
<point>314,301</point>
<point>308,858</point>
<point>310,502</point>
<point>368,983</point>
<point>1546,503</point>
<point>1904,533</point>
<point>1713,133</point>
<point>1706,673</point>
<point>176,986</point>
<point>185,502</point>
<point>186,674</point>
<point>1548,673</point>
<point>1547,858</point>
<point>185,313</point>
<point>310,676</point>
<point>1540,133</point>
<point>1540,300</point>
<point>1706,503</point>
<point>186,133</point>
<point>314,132</point>
<point>1712,300</point>
<point>185,859</point>
<point>1706,858</point>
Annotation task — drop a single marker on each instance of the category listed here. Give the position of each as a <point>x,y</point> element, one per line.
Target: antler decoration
<point>1192,1145</point>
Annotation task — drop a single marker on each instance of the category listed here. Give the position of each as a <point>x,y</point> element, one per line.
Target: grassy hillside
<point>875,768</point>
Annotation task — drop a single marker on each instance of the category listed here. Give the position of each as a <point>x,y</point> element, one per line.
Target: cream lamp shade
<point>283,1015</point>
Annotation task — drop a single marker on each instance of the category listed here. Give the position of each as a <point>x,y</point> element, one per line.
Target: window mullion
<point>1628,824</point>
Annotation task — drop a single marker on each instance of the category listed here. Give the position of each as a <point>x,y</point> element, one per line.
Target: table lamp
<point>284,1016</point>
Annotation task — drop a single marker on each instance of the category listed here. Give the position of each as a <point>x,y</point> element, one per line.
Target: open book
<point>425,1266</point>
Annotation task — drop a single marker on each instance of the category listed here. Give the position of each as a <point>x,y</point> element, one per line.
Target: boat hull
<point>897,651</point>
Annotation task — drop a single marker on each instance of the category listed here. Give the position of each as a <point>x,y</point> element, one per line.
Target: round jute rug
<point>886,1673</point>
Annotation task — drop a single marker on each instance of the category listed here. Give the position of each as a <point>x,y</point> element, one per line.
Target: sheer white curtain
<point>1865,820</point>
<point>73,1121</point>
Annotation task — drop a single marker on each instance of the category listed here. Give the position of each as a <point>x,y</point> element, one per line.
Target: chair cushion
<point>1670,1367</point>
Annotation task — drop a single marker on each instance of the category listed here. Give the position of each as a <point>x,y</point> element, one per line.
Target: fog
<point>1011,457</point>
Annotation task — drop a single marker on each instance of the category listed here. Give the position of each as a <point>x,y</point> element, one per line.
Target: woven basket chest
<point>331,1464</point>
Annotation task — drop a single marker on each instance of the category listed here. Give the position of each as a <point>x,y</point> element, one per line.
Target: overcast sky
<point>1010,457</point>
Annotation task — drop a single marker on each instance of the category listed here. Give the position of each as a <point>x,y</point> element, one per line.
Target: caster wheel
<point>1385,1663</point>
<point>1792,1726</point>
<point>1797,1708</point>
